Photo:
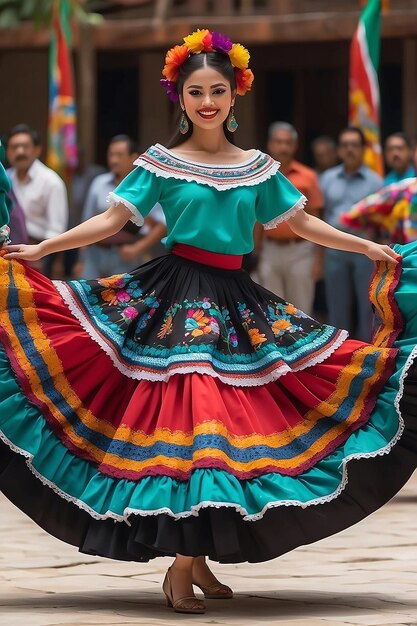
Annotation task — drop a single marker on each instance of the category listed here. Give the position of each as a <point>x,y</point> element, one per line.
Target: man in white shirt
<point>39,190</point>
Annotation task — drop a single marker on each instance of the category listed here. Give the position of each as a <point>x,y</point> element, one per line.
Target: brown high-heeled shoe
<point>189,604</point>
<point>216,591</point>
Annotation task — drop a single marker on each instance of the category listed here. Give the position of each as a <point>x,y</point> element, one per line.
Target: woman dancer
<point>200,412</point>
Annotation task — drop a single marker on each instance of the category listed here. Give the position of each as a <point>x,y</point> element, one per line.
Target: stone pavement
<point>366,575</point>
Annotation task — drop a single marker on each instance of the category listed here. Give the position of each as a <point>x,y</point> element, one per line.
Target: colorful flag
<point>364,104</point>
<point>62,143</point>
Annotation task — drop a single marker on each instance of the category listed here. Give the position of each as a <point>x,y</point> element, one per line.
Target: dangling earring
<point>231,123</point>
<point>184,125</point>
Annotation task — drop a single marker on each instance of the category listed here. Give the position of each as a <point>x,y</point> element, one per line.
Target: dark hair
<point>26,130</point>
<point>217,61</point>
<point>326,139</point>
<point>400,135</point>
<point>132,145</point>
<point>353,129</point>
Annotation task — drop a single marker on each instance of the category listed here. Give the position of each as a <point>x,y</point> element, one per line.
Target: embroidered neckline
<point>178,157</point>
<point>164,163</point>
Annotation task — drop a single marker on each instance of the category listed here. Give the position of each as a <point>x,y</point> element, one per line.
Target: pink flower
<point>123,296</point>
<point>130,313</point>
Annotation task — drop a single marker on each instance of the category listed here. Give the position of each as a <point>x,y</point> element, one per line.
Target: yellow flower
<point>239,56</point>
<point>194,42</point>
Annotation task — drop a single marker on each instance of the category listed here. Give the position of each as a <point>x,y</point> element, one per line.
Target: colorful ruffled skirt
<point>184,408</point>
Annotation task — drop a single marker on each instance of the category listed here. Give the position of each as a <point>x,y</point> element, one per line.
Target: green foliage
<point>14,12</point>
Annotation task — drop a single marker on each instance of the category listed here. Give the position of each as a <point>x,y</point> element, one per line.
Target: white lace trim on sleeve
<point>300,204</point>
<point>113,199</point>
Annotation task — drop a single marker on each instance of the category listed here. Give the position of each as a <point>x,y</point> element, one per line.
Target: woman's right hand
<point>22,252</point>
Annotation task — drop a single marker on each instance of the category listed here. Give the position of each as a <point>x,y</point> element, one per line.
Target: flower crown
<point>206,41</point>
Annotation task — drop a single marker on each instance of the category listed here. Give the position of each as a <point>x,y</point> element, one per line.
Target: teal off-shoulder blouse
<point>213,207</point>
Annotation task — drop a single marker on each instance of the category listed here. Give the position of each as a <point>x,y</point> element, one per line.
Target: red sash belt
<point>223,261</point>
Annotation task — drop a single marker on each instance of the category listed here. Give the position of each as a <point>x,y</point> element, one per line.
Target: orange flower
<point>256,337</point>
<point>109,295</point>
<point>173,61</point>
<point>197,332</point>
<point>280,325</point>
<point>112,281</point>
<point>290,309</point>
<point>244,80</point>
<point>166,328</point>
<point>200,318</point>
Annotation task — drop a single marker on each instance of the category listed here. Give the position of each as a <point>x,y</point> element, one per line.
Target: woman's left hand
<point>378,252</point>
<point>23,252</point>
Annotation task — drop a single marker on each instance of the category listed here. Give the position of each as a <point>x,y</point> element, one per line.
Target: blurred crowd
<point>329,284</point>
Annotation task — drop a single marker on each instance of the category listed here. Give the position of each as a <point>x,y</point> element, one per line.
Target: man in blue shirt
<point>398,156</point>
<point>111,256</point>
<point>347,274</point>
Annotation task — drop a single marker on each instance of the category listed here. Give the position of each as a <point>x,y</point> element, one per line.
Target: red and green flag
<point>364,101</point>
<point>62,141</point>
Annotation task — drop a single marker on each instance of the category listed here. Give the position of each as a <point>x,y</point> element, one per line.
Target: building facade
<point>299,54</point>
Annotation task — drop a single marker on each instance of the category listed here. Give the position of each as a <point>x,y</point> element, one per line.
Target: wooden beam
<point>251,29</point>
<point>138,34</point>
<point>86,94</point>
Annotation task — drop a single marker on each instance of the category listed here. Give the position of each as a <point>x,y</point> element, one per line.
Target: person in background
<point>82,178</point>
<point>347,275</point>
<point>324,151</point>
<point>113,255</point>
<point>398,156</point>
<point>149,244</point>
<point>389,215</point>
<point>39,191</point>
<point>289,264</point>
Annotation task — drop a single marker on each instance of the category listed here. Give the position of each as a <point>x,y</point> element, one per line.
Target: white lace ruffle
<point>45,481</point>
<point>113,198</point>
<point>195,178</point>
<point>300,204</point>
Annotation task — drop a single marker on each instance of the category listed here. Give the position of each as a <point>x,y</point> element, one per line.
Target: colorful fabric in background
<point>62,142</point>
<point>389,216</point>
<point>364,101</point>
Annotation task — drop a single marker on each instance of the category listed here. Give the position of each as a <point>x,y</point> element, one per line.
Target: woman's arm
<point>316,230</point>
<point>95,229</point>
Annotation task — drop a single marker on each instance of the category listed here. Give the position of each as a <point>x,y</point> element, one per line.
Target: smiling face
<point>207,97</point>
